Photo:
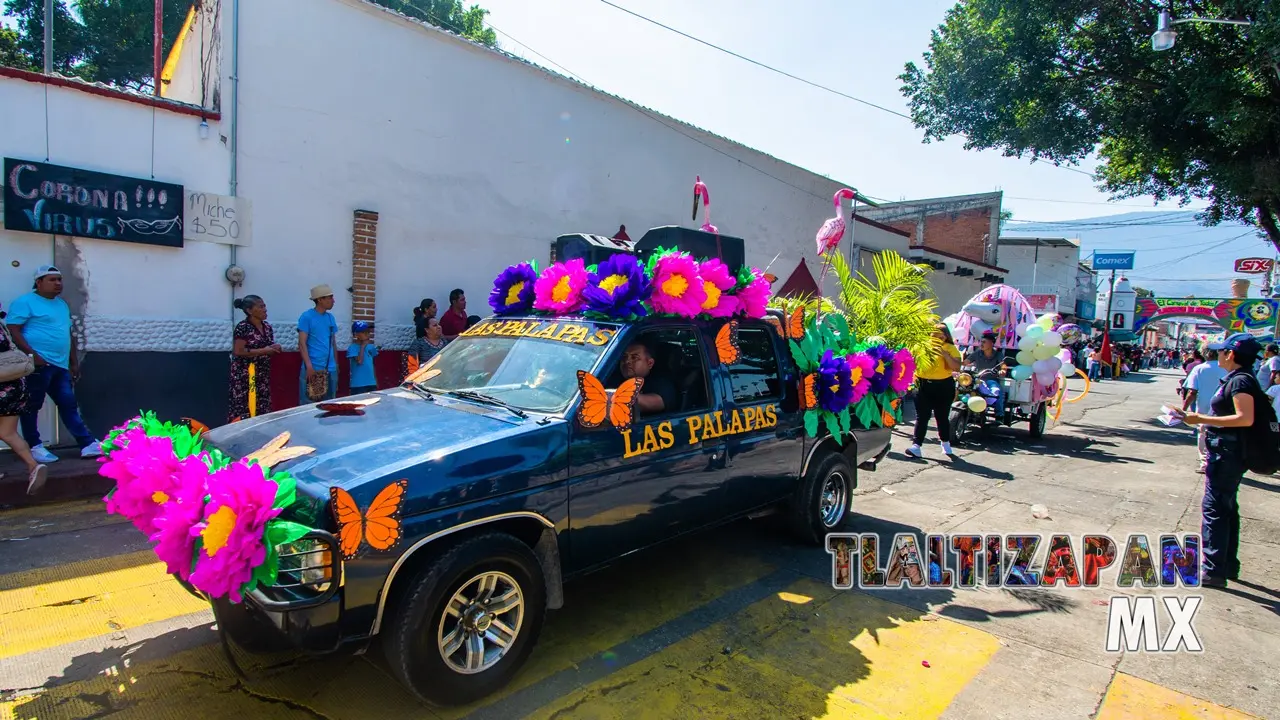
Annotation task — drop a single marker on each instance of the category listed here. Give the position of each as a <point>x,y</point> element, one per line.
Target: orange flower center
<point>855,374</point>
<point>713,295</point>
<point>218,530</point>
<point>561,291</point>
<point>675,286</point>
<point>159,497</point>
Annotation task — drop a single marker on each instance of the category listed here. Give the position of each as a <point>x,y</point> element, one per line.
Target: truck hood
<point>398,432</point>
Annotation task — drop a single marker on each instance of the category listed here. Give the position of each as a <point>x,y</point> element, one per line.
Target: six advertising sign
<point>57,200</point>
<point>1253,265</point>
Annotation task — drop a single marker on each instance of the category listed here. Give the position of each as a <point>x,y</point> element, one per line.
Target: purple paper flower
<point>512,292</point>
<point>234,529</point>
<point>618,288</point>
<point>835,384</point>
<point>882,371</point>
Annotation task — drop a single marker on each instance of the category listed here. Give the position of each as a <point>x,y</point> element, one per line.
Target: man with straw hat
<point>317,336</point>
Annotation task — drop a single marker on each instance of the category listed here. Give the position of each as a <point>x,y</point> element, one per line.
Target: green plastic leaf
<point>280,532</point>
<point>286,493</point>
<point>803,362</point>
<point>811,423</point>
<point>867,412</point>
<point>845,426</point>
<point>833,427</point>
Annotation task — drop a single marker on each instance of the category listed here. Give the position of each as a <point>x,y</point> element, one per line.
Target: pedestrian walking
<point>317,333</point>
<point>253,346</point>
<point>1199,387</point>
<point>1233,407</point>
<point>13,400</point>
<point>360,353</point>
<point>1270,365</point>
<point>40,325</point>
<point>935,391</point>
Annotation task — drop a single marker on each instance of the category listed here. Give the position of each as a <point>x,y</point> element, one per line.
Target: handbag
<point>318,384</point>
<point>14,364</point>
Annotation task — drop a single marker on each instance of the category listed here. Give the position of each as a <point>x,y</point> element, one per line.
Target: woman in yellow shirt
<point>935,391</point>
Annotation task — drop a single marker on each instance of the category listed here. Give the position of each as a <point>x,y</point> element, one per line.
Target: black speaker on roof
<point>702,245</point>
<point>592,249</point>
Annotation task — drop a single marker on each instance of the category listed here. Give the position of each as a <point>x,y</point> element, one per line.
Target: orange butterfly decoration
<point>727,343</point>
<point>379,526</point>
<point>197,427</point>
<point>794,327</point>
<point>809,391</point>
<point>599,404</point>
<point>886,417</point>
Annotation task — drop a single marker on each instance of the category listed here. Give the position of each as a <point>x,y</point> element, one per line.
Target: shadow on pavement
<point>1075,446</point>
<point>739,613</point>
<point>1259,484</point>
<point>1155,433</point>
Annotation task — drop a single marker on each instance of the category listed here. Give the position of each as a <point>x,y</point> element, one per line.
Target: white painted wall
<point>1053,271</point>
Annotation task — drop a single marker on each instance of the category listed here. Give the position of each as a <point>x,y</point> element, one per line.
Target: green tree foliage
<point>1143,292</point>
<point>11,54</point>
<point>106,41</point>
<point>448,14</point>
<point>1057,80</point>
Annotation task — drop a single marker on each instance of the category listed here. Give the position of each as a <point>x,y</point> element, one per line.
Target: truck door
<point>633,488</point>
<point>765,444</point>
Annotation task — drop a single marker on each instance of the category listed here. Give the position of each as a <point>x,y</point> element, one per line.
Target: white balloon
<point>1051,338</point>
<point>1027,343</point>
<point>1068,369</point>
<point>1035,331</point>
<point>1044,352</point>
<point>977,404</point>
<point>1022,329</point>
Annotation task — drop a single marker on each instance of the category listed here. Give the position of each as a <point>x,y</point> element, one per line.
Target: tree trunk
<point>1267,221</point>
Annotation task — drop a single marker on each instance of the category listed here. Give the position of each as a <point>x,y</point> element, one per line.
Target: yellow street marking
<point>1131,697</point>
<point>53,606</point>
<point>839,655</point>
<point>56,518</point>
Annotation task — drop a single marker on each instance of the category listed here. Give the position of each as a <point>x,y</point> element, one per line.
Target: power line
<point>757,63</point>
<point>1078,202</point>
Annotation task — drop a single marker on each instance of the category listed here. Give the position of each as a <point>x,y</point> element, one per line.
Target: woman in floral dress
<point>255,343</point>
<point>13,400</point>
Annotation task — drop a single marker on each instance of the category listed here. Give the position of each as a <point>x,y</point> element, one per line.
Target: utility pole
<point>157,43</point>
<point>48,36</point>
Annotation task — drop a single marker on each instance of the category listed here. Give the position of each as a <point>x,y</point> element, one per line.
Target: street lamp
<point>1165,36</point>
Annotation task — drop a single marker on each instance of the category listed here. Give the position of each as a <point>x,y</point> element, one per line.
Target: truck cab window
<point>755,375</point>
<point>678,365</point>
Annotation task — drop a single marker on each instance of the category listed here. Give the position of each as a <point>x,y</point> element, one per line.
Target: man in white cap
<point>317,334</point>
<point>40,325</point>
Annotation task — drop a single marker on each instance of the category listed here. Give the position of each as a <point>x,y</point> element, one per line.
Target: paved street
<point>739,623</point>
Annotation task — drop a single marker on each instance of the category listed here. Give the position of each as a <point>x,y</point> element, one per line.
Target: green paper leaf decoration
<point>833,427</point>
<point>845,426</point>
<point>286,493</point>
<point>868,412</point>
<point>803,362</point>
<point>280,532</point>
<point>811,423</point>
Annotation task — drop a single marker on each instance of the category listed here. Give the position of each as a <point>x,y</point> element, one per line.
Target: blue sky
<point>858,48</point>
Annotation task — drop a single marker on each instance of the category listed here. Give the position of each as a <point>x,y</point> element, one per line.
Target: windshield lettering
<point>574,333</point>
<point>661,436</point>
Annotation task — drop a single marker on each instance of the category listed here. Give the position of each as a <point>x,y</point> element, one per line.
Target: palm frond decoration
<point>812,304</point>
<point>898,307</point>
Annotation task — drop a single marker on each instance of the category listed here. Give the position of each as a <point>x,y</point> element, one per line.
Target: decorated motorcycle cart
<point>1030,381</point>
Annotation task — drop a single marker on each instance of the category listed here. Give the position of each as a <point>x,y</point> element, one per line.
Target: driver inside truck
<point>987,358</point>
<point>658,393</point>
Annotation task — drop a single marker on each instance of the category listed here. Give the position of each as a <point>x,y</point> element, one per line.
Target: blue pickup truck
<point>501,493</point>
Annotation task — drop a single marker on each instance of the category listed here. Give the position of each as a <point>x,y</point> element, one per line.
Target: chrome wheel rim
<point>480,623</point>
<point>834,494</point>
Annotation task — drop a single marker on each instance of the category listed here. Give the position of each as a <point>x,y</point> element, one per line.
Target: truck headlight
<point>306,562</point>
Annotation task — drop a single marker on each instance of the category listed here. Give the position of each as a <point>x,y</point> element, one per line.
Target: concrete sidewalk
<point>70,478</point>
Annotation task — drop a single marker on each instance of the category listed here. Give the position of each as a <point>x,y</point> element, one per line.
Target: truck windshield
<point>529,364</point>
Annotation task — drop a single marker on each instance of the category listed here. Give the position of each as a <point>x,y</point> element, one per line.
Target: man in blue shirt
<point>1201,384</point>
<point>317,333</point>
<point>40,325</point>
<point>361,353</point>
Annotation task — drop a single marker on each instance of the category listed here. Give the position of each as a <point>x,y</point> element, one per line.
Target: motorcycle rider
<point>986,357</point>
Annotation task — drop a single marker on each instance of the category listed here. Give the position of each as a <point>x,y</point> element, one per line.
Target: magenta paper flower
<point>861,368</point>
<point>559,290</point>
<point>677,289</point>
<point>716,283</point>
<point>904,371</point>
<point>233,530</point>
<point>753,298</point>
<point>175,541</point>
<point>146,474</point>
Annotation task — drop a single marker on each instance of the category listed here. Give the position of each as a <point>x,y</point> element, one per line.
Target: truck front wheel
<point>469,621</point>
<point>821,501</point>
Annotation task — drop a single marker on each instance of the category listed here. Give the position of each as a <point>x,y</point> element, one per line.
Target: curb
<point>71,478</point>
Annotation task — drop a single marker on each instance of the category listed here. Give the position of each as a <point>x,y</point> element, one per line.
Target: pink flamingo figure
<point>700,193</point>
<point>832,231</point>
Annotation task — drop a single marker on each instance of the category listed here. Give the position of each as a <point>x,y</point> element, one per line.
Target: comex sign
<point>1113,261</point>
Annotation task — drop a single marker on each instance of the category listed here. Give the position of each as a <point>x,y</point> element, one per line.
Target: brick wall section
<point>364,265</point>
<point>960,233</point>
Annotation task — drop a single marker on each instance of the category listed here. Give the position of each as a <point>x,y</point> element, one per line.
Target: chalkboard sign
<point>57,200</point>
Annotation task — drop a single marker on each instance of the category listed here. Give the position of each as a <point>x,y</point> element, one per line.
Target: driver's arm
<point>650,403</point>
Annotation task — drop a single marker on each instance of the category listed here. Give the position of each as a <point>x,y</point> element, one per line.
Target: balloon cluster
<point>1040,353</point>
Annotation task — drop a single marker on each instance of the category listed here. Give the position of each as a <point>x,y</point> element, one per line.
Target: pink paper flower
<point>175,541</point>
<point>904,371</point>
<point>559,290</point>
<point>753,298</point>
<point>861,368</point>
<point>716,283</point>
<point>233,530</point>
<point>677,289</point>
<point>146,474</point>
